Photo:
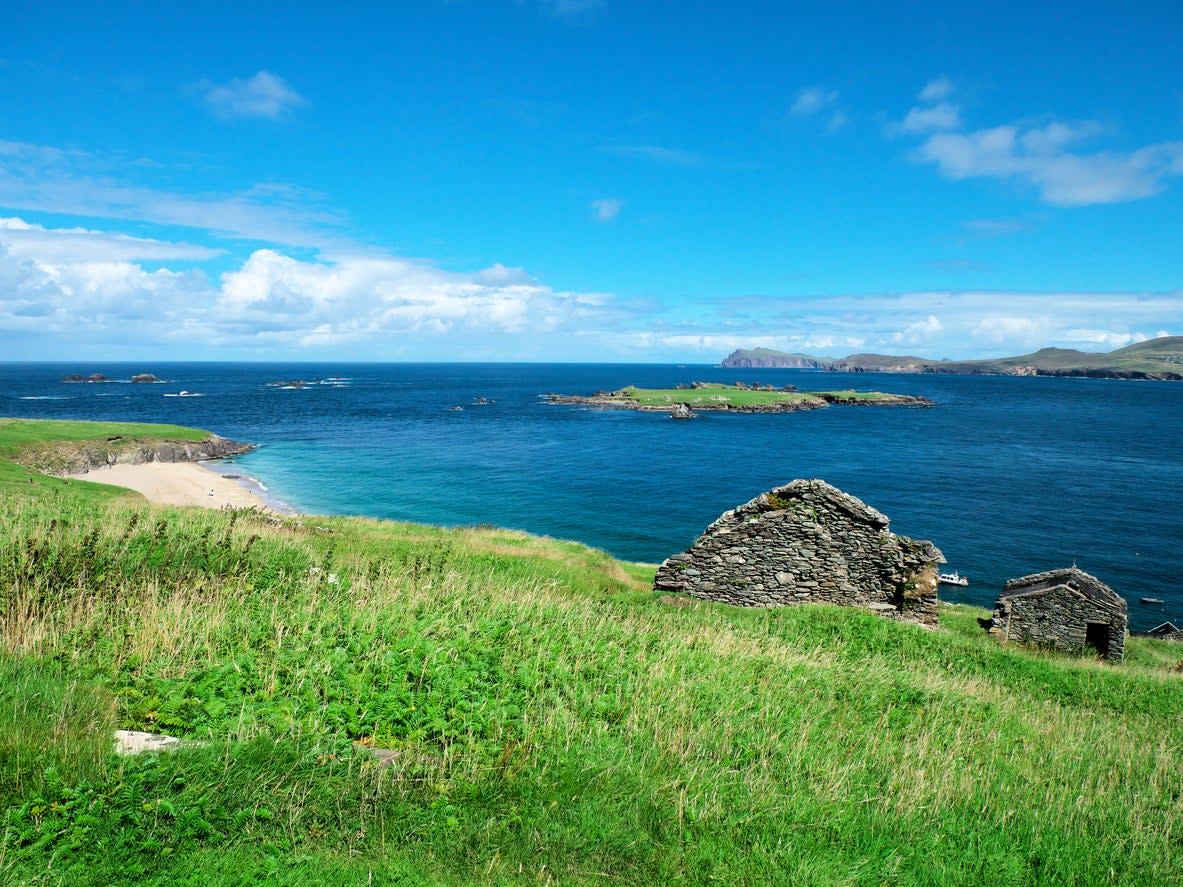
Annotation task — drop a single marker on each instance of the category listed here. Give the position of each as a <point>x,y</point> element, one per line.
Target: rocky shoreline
<point>123,451</point>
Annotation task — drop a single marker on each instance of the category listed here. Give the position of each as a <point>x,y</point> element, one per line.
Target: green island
<point>740,398</point>
<point>368,702</point>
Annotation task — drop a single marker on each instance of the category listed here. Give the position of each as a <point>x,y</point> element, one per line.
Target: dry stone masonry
<point>803,543</point>
<point>1066,609</point>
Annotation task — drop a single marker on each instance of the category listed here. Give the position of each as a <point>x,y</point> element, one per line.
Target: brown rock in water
<point>144,377</point>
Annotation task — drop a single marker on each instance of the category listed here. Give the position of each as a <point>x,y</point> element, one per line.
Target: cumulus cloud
<point>960,324</point>
<point>920,332</point>
<point>263,95</point>
<point>48,179</point>
<point>82,288</point>
<point>936,90</point>
<point>812,99</point>
<point>1046,157</point>
<point>271,299</point>
<point>80,244</point>
<point>1039,157</point>
<point>606,208</point>
<point>942,116</point>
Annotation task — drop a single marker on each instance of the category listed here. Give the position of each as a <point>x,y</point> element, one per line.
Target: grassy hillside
<point>550,720</point>
<point>28,444</point>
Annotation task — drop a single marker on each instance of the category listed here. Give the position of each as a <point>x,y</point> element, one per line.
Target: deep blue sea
<point>1006,475</point>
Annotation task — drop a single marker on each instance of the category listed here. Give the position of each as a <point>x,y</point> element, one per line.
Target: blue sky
<point>587,180</point>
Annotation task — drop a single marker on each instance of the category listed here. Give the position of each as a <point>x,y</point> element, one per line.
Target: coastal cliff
<point>97,456</point>
<point>77,456</point>
<point>1156,359</point>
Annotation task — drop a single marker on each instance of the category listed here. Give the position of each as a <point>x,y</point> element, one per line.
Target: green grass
<point>22,436</point>
<point>553,720</point>
<point>30,444</point>
<point>715,393</point>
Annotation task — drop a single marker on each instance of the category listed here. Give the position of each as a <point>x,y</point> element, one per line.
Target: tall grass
<point>550,720</point>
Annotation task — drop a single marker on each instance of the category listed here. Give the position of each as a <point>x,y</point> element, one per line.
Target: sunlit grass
<point>551,720</point>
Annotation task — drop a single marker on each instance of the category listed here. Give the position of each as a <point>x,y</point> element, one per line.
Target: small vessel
<point>1150,600</point>
<point>953,578</point>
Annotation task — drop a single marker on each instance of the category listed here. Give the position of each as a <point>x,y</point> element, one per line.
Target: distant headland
<point>1160,358</point>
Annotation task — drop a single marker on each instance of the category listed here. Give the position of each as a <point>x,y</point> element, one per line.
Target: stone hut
<point>1168,631</point>
<point>804,543</point>
<point>1065,609</point>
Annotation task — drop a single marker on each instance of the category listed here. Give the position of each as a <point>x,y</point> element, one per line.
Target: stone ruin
<point>1065,609</point>
<point>806,543</point>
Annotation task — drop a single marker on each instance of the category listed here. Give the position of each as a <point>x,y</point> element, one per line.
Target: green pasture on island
<point>719,393</point>
<point>548,719</point>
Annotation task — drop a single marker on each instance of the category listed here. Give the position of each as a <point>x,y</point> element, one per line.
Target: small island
<point>737,398</point>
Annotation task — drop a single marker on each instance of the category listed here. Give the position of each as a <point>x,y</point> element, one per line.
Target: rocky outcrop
<point>144,377</point>
<point>809,400</point>
<point>753,358</point>
<point>80,458</point>
<point>1064,609</point>
<point>808,542</point>
<point>682,411</point>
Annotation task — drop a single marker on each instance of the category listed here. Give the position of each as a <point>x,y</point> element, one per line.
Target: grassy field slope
<point>27,445</point>
<point>549,719</point>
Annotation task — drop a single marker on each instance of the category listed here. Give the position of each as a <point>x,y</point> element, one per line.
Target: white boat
<point>953,578</point>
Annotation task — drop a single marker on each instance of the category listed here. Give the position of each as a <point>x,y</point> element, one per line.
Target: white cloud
<point>837,121</point>
<point>935,90</point>
<point>80,244</point>
<point>942,116</point>
<point>1039,157</point>
<point>958,324</point>
<point>263,95</point>
<point>812,99</point>
<point>47,179</point>
<point>271,300</point>
<point>606,208</point>
<point>1046,157</point>
<point>921,332</point>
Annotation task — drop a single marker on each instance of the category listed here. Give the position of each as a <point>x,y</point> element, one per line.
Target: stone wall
<point>1054,610</point>
<point>808,542</point>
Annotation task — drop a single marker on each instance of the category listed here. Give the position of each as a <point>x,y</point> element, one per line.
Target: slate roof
<point>1078,580</point>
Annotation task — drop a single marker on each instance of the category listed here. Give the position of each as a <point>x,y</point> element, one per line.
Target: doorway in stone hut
<point>1096,637</point>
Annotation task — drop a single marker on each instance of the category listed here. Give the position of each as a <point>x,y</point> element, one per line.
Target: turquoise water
<point>1006,475</point>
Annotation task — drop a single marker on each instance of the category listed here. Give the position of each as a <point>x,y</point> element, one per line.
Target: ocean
<point>1007,475</point>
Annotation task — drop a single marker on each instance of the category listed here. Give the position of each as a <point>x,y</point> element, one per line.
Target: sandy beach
<point>178,483</point>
